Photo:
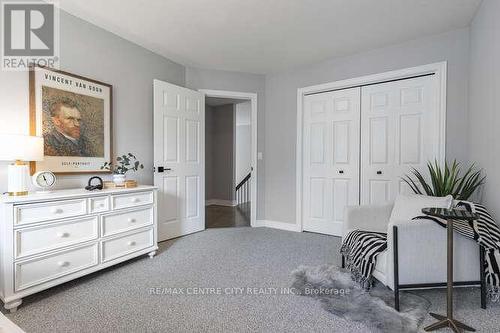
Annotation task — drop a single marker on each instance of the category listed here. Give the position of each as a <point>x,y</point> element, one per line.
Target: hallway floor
<point>224,216</point>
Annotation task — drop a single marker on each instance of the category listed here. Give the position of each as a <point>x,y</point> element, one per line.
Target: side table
<point>448,320</point>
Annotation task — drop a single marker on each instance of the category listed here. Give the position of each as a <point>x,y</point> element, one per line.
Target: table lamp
<point>21,149</point>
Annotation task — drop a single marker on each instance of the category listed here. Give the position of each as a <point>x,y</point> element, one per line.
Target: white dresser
<point>48,239</point>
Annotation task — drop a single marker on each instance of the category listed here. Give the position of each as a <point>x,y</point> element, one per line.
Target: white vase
<point>119,180</point>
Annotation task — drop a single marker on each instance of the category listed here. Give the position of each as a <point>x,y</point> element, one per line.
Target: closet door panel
<point>340,197</point>
<point>378,139</point>
<point>379,191</point>
<point>317,143</point>
<point>399,130</point>
<point>410,141</point>
<point>317,202</point>
<point>331,158</point>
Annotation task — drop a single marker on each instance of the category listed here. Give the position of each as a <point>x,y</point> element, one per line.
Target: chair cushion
<point>407,207</point>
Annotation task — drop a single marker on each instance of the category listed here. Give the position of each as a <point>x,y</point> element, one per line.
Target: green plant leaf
<point>446,180</point>
<point>411,183</point>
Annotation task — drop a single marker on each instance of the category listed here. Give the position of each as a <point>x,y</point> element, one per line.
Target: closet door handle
<point>379,172</point>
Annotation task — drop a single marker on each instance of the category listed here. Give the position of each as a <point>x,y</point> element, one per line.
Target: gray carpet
<point>119,300</point>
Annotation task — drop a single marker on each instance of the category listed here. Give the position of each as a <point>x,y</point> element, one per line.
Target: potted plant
<point>124,164</point>
<point>446,180</point>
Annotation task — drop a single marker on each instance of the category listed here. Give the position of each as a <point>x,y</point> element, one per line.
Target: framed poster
<point>73,114</point>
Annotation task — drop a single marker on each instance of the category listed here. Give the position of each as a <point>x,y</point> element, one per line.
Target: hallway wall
<point>219,154</point>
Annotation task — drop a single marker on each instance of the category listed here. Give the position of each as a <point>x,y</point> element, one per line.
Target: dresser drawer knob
<point>135,200</point>
<point>62,234</point>
<point>56,210</point>
<point>63,263</point>
<point>131,243</point>
<point>131,220</point>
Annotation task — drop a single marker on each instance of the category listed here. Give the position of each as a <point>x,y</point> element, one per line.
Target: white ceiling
<point>262,36</point>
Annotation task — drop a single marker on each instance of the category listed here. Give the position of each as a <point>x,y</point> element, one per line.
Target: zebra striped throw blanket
<point>360,250</point>
<point>487,234</point>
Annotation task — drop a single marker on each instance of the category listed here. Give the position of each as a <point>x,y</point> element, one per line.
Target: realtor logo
<point>30,35</point>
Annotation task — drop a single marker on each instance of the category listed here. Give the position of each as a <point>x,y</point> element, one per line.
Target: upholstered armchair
<point>416,252</point>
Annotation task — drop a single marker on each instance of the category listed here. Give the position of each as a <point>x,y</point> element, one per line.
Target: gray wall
<point>95,53</point>
<point>244,82</point>
<point>281,105</point>
<point>219,156</point>
<point>484,103</point>
<point>209,124</point>
<point>243,140</point>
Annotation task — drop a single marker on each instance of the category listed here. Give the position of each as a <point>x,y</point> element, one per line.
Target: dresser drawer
<point>131,199</point>
<point>36,271</point>
<point>118,247</point>
<point>49,211</point>
<point>98,204</point>
<point>123,221</point>
<point>55,235</point>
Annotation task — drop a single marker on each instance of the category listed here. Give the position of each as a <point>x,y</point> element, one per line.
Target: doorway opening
<point>229,163</point>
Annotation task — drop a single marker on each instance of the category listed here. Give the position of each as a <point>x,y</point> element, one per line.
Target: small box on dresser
<point>51,238</point>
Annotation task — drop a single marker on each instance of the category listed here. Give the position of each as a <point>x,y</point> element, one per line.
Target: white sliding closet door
<point>399,128</point>
<point>331,158</point>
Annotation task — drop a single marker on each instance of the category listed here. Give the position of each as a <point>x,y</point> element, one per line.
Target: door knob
<point>379,172</point>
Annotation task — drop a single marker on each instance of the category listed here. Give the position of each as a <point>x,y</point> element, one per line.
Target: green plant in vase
<point>446,180</point>
<point>123,164</point>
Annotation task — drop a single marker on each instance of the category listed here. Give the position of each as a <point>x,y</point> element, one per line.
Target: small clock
<point>44,180</point>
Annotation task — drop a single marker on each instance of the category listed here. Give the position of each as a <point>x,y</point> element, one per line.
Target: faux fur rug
<point>340,295</point>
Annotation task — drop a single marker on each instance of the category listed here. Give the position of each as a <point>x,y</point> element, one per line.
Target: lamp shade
<point>21,147</point>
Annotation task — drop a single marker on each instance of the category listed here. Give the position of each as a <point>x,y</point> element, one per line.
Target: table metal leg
<point>449,260</point>
<point>448,321</point>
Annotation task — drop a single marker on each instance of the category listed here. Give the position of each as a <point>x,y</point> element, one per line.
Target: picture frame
<point>73,113</point>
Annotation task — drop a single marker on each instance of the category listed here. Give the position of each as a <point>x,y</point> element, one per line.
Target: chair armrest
<point>366,217</point>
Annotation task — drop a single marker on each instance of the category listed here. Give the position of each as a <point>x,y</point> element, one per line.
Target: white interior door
<point>331,127</point>
<point>179,141</point>
<point>399,128</point>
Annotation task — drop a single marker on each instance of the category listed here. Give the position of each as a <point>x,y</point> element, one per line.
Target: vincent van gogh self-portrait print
<point>73,114</point>
<point>72,124</point>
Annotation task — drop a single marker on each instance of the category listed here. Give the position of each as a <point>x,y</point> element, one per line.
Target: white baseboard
<point>220,202</point>
<point>278,225</point>
<point>7,325</point>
